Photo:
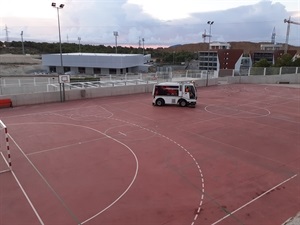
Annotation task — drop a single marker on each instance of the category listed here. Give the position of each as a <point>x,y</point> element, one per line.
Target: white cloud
<point>95,20</point>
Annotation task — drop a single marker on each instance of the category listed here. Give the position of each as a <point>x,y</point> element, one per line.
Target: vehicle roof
<point>174,83</point>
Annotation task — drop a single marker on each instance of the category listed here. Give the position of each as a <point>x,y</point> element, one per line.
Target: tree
<point>296,63</point>
<point>262,63</point>
<point>284,60</point>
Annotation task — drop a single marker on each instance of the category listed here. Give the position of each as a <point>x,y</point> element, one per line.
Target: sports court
<point>233,159</point>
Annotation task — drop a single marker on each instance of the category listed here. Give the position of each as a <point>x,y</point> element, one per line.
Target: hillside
<point>246,46</point>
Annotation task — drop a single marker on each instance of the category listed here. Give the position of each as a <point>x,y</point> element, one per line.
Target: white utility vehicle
<point>174,93</point>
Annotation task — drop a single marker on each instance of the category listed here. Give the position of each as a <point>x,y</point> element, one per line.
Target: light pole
<point>79,39</point>
<point>116,34</point>
<point>23,51</point>
<point>210,23</point>
<point>62,97</point>
<point>143,40</point>
<point>209,63</point>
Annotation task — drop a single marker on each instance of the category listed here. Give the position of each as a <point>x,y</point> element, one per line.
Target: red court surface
<point>234,159</point>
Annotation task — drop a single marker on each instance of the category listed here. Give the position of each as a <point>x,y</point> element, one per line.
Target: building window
<point>97,70</point>
<point>112,71</point>
<point>52,69</point>
<point>67,69</point>
<point>81,69</point>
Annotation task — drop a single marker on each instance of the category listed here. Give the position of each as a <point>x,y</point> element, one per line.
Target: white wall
<point>74,94</point>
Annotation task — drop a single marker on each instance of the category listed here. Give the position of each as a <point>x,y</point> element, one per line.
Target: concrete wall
<point>269,79</point>
<point>74,94</point>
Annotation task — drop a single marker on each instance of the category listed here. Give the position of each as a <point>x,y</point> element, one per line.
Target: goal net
<point>5,160</point>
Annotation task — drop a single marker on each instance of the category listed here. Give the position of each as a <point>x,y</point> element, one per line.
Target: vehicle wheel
<point>183,103</point>
<point>159,102</point>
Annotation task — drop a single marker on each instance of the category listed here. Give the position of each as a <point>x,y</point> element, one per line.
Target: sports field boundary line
<point>52,189</point>
<point>253,200</point>
<point>47,183</point>
<point>22,189</point>
<point>7,164</point>
<point>27,198</point>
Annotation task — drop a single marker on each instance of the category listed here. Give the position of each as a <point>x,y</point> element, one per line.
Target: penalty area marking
<point>253,200</point>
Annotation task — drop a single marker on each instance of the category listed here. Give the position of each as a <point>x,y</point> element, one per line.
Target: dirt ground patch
<point>20,64</point>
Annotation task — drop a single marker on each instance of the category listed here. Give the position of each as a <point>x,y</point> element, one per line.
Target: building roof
<point>99,54</point>
<point>96,60</point>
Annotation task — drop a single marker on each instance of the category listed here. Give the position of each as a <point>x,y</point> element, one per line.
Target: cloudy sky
<point>159,22</point>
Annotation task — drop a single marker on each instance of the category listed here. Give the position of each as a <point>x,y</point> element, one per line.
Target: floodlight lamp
<point>53,4</point>
<point>61,6</point>
<point>212,22</point>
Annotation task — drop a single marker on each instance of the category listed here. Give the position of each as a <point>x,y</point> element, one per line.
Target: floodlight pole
<point>208,68</point>
<point>62,96</point>
<point>116,34</point>
<point>23,50</point>
<point>79,39</point>
<point>210,23</point>
<point>143,40</point>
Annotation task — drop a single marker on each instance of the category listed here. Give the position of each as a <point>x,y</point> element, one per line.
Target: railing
<point>273,71</point>
<point>36,84</point>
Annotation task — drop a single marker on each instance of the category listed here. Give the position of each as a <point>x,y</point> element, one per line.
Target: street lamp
<point>209,63</point>
<point>23,50</point>
<point>59,7</point>
<point>143,40</point>
<point>116,39</point>
<point>62,97</point>
<point>210,23</point>
<point>79,39</point>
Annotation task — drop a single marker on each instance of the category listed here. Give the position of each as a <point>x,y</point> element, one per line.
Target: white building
<point>96,63</point>
<point>219,45</point>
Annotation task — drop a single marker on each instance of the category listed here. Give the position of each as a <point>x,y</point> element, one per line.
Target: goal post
<point>5,159</point>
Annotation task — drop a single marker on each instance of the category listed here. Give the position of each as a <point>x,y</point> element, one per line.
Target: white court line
<point>24,193</point>
<point>184,149</point>
<point>47,183</point>
<point>52,189</point>
<point>26,196</point>
<point>253,200</point>
<point>122,133</point>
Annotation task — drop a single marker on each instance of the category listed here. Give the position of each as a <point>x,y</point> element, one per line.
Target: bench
<point>6,102</point>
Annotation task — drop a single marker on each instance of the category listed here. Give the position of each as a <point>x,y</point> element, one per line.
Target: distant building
<point>271,47</point>
<point>220,58</point>
<point>270,56</point>
<point>96,63</point>
<point>228,62</point>
<point>219,45</point>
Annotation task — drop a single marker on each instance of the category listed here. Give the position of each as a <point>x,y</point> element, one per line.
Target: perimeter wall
<point>269,79</point>
<point>86,93</point>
